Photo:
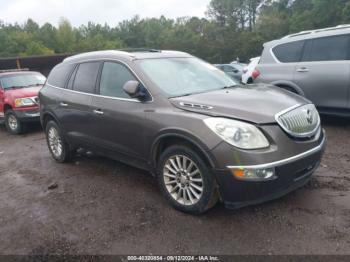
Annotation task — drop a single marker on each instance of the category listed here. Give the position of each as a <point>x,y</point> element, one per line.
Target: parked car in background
<point>237,62</point>
<point>19,98</point>
<point>203,136</point>
<point>314,64</point>
<point>234,71</point>
<point>249,72</point>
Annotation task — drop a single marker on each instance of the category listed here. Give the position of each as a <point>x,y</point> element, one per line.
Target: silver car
<point>234,71</point>
<point>314,64</point>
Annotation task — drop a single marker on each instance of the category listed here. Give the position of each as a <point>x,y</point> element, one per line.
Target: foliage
<point>232,28</point>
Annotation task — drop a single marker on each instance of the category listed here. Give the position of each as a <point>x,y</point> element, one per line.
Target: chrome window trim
<point>110,97</point>
<point>303,135</point>
<point>284,161</point>
<point>274,56</point>
<point>96,95</point>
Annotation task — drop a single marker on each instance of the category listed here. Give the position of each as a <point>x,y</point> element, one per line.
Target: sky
<point>99,11</point>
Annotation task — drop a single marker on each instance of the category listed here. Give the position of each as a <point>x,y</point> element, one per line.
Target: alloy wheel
<point>55,142</point>
<point>183,180</point>
<point>12,122</point>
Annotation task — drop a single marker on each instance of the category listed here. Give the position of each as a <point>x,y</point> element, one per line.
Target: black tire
<point>12,127</point>
<point>63,155</point>
<point>209,196</point>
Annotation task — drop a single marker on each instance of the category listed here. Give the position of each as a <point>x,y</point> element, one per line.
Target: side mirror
<point>134,89</point>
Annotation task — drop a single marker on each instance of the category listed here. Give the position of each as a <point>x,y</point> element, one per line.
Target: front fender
<point>185,135</point>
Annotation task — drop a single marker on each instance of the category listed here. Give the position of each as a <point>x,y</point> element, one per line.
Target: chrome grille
<point>301,121</point>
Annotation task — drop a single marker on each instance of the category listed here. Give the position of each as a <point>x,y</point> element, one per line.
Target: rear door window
<point>289,52</point>
<point>59,75</point>
<point>86,76</point>
<point>113,78</point>
<point>333,48</point>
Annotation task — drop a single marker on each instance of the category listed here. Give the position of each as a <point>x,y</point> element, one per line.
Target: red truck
<point>19,102</point>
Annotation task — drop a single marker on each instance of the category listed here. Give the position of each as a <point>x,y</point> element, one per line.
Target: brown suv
<point>202,135</point>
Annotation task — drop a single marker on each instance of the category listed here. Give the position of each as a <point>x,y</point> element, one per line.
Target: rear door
<point>324,71</point>
<point>118,119</point>
<point>278,62</point>
<point>76,110</point>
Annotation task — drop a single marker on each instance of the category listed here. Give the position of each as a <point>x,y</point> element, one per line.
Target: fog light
<point>254,174</point>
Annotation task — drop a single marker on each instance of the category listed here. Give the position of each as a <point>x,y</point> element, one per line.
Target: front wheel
<point>12,123</point>
<point>59,149</point>
<point>185,180</point>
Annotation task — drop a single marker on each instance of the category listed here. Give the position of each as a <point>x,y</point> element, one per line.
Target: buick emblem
<point>309,116</point>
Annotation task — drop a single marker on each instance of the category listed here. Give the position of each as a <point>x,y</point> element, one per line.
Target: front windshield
<point>185,76</point>
<point>22,80</point>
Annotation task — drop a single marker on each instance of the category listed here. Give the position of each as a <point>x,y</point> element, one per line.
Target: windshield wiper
<point>231,86</point>
<point>14,87</point>
<point>33,85</point>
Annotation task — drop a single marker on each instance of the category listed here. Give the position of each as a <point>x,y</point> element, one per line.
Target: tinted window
<point>113,78</point>
<point>327,49</point>
<point>290,52</point>
<point>59,75</point>
<point>85,78</point>
<point>71,79</point>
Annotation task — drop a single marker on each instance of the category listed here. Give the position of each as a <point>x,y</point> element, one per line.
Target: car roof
<point>304,35</point>
<point>126,55</point>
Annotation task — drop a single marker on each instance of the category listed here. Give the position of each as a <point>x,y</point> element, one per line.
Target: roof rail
<point>14,70</point>
<point>133,50</point>
<point>338,27</point>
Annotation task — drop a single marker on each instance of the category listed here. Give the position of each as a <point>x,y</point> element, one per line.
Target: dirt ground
<point>103,207</point>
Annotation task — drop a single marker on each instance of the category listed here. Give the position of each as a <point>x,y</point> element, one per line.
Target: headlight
<point>20,102</point>
<point>237,133</point>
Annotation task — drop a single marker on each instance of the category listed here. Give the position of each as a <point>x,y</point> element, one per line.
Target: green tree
<point>65,37</point>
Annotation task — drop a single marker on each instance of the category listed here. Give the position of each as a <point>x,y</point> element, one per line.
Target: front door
<point>118,119</point>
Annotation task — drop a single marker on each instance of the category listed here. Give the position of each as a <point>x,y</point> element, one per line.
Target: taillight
<point>255,74</point>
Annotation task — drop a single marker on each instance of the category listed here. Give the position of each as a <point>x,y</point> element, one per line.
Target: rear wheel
<point>12,123</point>
<point>185,180</point>
<point>58,147</point>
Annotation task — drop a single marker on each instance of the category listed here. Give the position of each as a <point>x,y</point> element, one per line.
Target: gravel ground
<point>99,206</point>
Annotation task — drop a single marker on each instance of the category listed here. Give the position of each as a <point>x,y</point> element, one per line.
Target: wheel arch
<point>175,137</point>
<point>289,84</point>
<point>46,117</point>
<point>7,107</point>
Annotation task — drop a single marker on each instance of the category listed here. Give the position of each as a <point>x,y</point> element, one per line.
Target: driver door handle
<point>98,112</point>
<point>63,104</point>
<point>303,70</point>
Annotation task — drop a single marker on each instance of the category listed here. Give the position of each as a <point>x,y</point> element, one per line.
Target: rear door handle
<point>63,104</point>
<point>98,111</point>
<point>302,70</point>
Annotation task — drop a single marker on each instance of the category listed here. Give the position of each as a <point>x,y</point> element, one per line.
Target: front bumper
<point>28,114</point>
<point>291,174</point>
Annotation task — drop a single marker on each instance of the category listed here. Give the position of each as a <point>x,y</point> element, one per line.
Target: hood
<point>23,92</point>
<point>254,103</point>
